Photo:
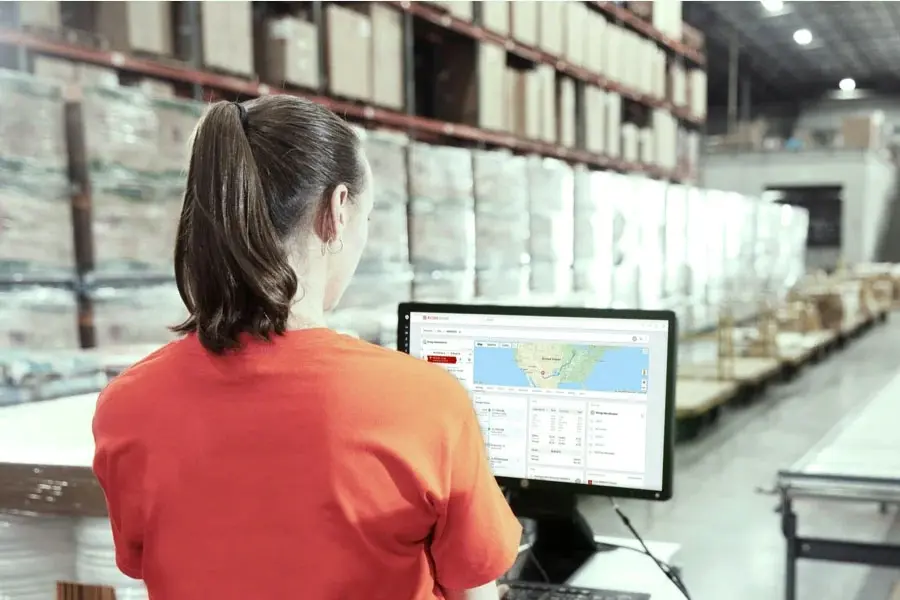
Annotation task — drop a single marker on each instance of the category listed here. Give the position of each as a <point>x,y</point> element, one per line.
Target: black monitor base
<point>562,539</point>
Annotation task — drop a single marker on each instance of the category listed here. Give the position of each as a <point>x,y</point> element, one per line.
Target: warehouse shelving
<point>422,127</point>
<point>438,17</point>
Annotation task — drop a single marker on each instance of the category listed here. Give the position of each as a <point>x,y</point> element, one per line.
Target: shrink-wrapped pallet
<point>501,209</point>
<point>676,265</point>
<point>29,375</point>
<point>628,215</point>
<point>551,202</point>
<point>594,233</point>
<point>35,215</point>
<point>38,317</point>
<point>768,229</point>
<point>36,551</point>
<point>139,314</point>
<point>650,215</point>
<point>134,222</point>
<point>697,260</point>
<point>444,286</point>
<point>503,284</point>
<point>32,125</point>
<point>95,560</point>
<point>388,226</point>
<point>441,208</point>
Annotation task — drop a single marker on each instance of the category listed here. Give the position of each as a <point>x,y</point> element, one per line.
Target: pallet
<point>698,405</point>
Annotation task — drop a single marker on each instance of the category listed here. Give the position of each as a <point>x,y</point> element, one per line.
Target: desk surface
<point>628,571</point>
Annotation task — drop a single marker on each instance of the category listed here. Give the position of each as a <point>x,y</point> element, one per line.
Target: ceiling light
<point>803,36</point>
<point>772,6</point>
<point>847,85</point>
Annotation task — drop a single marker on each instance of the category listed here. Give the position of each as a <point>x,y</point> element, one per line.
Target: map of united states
<point>563,366</point>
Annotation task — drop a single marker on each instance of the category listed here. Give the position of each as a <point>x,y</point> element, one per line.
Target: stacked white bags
<point>95,560</point>
<point>35,553</point>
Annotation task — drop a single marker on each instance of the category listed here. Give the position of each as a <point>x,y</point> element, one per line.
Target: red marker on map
<point>542,373</point>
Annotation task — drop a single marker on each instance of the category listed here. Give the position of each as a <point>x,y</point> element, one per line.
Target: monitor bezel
<point>510,483</point>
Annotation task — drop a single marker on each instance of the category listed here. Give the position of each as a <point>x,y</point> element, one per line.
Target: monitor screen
<point>575,396</point>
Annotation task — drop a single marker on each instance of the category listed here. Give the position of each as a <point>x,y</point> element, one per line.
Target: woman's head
<point>275,213</point>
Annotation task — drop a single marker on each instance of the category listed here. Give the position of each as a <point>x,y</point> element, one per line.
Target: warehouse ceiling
<point>850,39</point>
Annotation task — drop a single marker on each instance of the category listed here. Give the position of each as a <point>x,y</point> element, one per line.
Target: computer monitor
<point>572,397</point>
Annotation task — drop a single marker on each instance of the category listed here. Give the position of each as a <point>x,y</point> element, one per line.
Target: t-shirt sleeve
<point>476,539</point>
<point>119,465</point>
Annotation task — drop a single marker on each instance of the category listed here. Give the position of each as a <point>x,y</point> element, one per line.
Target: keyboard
<point>526,590</point>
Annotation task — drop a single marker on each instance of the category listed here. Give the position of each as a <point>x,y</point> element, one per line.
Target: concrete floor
<point>732,548</point>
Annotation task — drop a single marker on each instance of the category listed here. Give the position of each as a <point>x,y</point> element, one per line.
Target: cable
<point>666,569</point>
<point>537,564</point>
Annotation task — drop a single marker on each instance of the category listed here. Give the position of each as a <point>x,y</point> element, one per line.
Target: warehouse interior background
<point>732,161</point>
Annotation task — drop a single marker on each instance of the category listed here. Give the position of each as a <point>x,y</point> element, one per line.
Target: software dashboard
<point>572,399</point>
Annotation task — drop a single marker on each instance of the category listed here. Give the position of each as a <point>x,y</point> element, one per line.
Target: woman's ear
<point>338,204</point>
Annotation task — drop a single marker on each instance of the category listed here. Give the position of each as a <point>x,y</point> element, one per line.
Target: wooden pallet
<point>78,591</point>
<point>698,404</point>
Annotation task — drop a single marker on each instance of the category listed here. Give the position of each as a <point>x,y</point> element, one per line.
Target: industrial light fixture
<point>847,85</point>
<point>773,6</point>
<point>803,36</point>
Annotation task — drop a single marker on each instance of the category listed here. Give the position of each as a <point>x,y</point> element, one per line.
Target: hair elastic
<point>242,114</point>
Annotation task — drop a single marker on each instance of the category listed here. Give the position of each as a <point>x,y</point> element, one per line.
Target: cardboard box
<point>567,103</point>
<point>349,53</point>
<point>863,132</point>
<point>495,16</point>
<point>613,124</point>
<point>144,26</point>
<point>292,53</point>
<point>552,27</point>
<point>227,34</point>
<point>41,15</point>
<point>693,37</point>
<point>594,42</point>
<point>546,84</point>
<point>491,86</point>
<point>576,19</point>
<point>387,56</point>
<point>524,21</point>
<point>612,52</point>
<point>523,102</point>
<point>595,119</point>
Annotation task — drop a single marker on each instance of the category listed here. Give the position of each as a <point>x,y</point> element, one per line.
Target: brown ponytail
<point>257,173</point>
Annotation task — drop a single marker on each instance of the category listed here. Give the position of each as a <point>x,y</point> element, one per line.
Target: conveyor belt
<point>859,461</point>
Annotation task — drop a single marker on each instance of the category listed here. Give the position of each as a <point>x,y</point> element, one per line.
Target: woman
<point>262,455</point>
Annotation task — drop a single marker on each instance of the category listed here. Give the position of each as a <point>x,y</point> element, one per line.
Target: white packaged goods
<point>506,284</point>
<point>134,223</point>
<point>35,553</point>
<point>552,279</point>
<point>37,317</point>
<point>444,286</point>
<point>35,214</point>
<point>136,315</point>
<point>594,233</point>
<point>676,264</point>
<point>698,258</point>
<point>501,209</point>
<point>768,229</point>
<point>384,287</point>
<point>651,216</point>
<point>441,208</point>
<point>628,215</point>
<point>95,560</point>
<point>388,225</point>
<point>551,210</point>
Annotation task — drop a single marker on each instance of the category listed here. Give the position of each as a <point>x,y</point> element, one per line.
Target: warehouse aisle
<point>731,543</point>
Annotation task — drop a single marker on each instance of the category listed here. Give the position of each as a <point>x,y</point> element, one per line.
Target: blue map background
<point>619,370</point>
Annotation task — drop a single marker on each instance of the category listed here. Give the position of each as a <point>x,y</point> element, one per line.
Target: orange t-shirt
<point>314,466</point>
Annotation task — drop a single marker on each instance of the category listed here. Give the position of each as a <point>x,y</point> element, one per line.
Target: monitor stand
<point>563,540</point>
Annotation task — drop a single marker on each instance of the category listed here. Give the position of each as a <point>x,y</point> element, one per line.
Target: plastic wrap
<point>37,317</point>
<point>386,287</point>
<point>134,222</point>
<point>388,226</point>
<point>441,174</point>
<point>553,279</point>
<point>29,375</point>
<point>697,255</point>
<point>32,123</point>
<point>508,284</point>
<point>35,553</point>
<point>676,260</point>
<point>35,214</point>
<point>551,210</point>
<point>628,216</point>
<point>651,217</point>
<point>444,286</point>
<point>791,263</point>
<point>768,229</point>
<point>136,314</point>
<point>501,209</point>
<point>95,562</point>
